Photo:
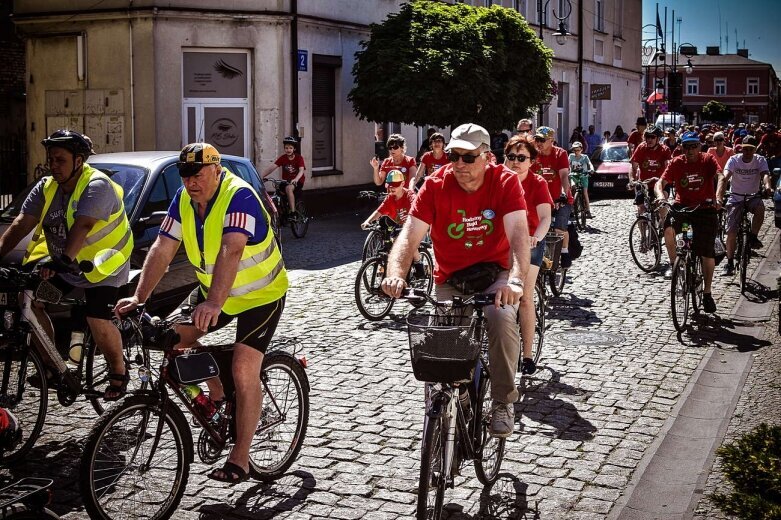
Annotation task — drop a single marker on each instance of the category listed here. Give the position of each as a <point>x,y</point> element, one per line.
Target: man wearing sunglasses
<point>692,175</point>
<point>719,151</point>
<point>477,215</point>
<point>525,127</point>
<point>553,163</point>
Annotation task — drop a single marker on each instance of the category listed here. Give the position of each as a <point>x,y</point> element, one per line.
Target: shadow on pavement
<point>757,292</point>
<point>265,500</point>
<point>505,500</point>
<point>573,309</point>
<point>539,403</point>
<point>721,333</point>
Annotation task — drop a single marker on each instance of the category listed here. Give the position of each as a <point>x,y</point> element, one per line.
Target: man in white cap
<point>477,215</point>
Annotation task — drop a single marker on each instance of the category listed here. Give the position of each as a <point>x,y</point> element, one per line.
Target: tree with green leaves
<point>716,111</point>
<point>440,64</point>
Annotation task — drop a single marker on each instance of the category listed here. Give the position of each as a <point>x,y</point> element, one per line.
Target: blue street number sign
<point>302,59</point>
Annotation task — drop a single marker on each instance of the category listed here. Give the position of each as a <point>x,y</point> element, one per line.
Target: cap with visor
<point>195,156</point>
<point>394,178</point>
<point>468,136</point>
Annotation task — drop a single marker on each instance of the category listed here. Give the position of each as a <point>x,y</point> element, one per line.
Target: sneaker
<point>528,366</point>
<point>565,260</point>
<point>754,241</point>
<point>502,420</point>
<point>589,215</point>
<point>728,269</point>
<point>708,305</point>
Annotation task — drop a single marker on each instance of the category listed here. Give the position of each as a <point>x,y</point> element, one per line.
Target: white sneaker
<point>502,420</point>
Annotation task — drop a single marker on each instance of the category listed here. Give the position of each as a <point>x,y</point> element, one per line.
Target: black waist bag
<point>475,278</point>
<point>194,368</point>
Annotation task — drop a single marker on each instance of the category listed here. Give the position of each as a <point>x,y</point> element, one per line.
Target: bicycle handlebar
<point>419,295</point>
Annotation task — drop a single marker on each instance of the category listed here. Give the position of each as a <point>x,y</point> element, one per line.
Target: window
<point>752,86</point>
<point>324,74</point>
<point>599,15</point>
<point>618,29</point>
<point>599,50</point>
<point>617,53</point>
<point>719,86</point>
<point>692,86</point>
<point>521,7</point>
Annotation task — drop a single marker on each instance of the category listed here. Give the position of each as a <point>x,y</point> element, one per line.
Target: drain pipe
<point>294,67</point>
<point>132,88</point>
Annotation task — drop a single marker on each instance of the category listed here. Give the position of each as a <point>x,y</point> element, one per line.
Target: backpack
<point>575,247</point>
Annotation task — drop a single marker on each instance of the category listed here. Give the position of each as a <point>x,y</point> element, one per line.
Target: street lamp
<point>689,67</point>
<point>560,35</point>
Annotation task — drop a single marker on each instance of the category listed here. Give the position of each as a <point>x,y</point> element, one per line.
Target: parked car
<point>612,167</point>
<point>149,181</point>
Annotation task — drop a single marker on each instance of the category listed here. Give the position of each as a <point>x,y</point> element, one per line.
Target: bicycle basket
<point>553,250</point>
<point>442,348</point>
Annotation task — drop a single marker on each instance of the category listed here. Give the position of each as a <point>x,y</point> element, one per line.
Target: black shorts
<point>254,327</point>
<point>100,300</point>
<point>705,224</point>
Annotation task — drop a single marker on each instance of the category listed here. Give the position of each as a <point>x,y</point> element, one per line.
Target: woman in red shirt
<point>397,161</point>
<point>518,156</point>
<point>434,159</point>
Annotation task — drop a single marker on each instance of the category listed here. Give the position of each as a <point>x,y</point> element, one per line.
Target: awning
<point>654,97</point>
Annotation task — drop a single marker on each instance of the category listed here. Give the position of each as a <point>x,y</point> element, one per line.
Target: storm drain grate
<point>585,337</point>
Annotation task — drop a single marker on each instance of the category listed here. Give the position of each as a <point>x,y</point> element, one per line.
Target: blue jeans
<point>561,216</point>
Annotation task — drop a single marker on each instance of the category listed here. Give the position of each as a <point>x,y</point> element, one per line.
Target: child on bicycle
<point>581,165</point>
<point>396,206</point>
<point>293,168</point>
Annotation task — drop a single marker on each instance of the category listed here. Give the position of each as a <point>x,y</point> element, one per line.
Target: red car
<point>612,167</point>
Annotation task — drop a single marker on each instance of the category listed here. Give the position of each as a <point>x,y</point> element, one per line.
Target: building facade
<point>146,75</point>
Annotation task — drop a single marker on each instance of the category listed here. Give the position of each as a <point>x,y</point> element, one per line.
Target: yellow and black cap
<point>195,156</point>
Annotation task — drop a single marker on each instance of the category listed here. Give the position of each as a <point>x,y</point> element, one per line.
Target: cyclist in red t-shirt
<point>293,168</point>
<point>432,160</point>
<point>477,214</point>
<point>397,146</point>
<point>398,202</point>
<point>649,160</point>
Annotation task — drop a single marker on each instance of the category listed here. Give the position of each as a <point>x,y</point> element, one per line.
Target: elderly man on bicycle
<point>746,173</point>
<point>693,175</point>
<point>227,237</point>
<point>477,217</point>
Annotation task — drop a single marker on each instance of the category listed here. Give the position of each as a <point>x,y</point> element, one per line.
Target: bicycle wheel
<point>579,211</point>
<point>679,294</point>
<point>299,225</point>
<point>744,256</point>
<point>696,283</point>
<point>539,325</point>
<point>372,245</point>
<point>27,403</point>
<point>372,302</point>
<point>96,369</point>
<point>276,227</point>
<point>283,419</point>
<point>644,245</point>
<point>557,279</point>
<point>425,283</point>
<point>491,449</point>
<point>120,477</point>
<point>431,486</point>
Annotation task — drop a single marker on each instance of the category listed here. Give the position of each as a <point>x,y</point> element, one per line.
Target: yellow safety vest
<point>261,277</point>
<point>113,234</point>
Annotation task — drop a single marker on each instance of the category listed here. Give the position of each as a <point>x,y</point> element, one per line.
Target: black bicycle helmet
<point>74,142</point>
<point>290,140</point>
<point>653,130</point>
<point>194,156</point>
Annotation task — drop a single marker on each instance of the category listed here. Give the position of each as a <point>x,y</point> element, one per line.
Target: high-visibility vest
<point>261,277</point>
<point>112,234</point>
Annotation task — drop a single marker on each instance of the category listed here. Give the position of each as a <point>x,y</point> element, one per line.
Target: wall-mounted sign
<point>215,74</point>
<point>302,60</point>
<point>600,91</point>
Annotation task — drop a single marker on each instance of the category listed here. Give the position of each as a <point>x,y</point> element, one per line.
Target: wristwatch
<point>515,281</point>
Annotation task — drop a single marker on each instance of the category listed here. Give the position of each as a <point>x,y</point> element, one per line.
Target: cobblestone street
<point>613,370</point>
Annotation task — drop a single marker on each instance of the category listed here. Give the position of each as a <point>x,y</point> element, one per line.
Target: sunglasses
<point>394,147</point>
<point>689,146</point>
<point>520,157</point>
<point>539,139</point>
<point>468,158</point>
<point>524,130</point>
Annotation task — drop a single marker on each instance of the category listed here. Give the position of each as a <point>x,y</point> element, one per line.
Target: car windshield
<point>131,178</point>
<point>614,154</point>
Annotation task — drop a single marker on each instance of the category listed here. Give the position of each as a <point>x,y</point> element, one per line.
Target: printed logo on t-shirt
<point>472,229</point>
<point>692,182</point>
<point>547,173</point>
<point>650,164</point>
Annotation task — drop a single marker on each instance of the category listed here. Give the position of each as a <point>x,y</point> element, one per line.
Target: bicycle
<point>646,234</point>
<point>26,499</point>
<point>372,302</point>
<point>688,280</point>
<point>448,349</point>
<point>541,299</point>
<point>27,351</point>
<point>374,240</point>
<point>577,180</point>
<point>299,223</point>
<point>556,274</point>
<point>136,459</point>
<point>743,239</point>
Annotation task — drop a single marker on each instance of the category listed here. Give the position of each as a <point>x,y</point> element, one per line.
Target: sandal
<point>118,391</point>
<point>230,473</point>
<point>528,366</point>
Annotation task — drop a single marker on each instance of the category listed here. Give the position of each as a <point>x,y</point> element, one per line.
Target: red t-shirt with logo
<point>651,160</point>
<point>407,162</point>
<point>290,167</point>
<point>397,209</point>
<point>549,166</point>
<point>635,138</point>
<point>535,192</point>
<point>693,181</point>
<point>433,164</point>
<point>468,228</point>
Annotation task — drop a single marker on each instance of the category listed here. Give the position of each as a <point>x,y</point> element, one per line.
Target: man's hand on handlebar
<point>509,294</point>
<point>125,306</point>
<point>59,264</point>
<point>393,286</point>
